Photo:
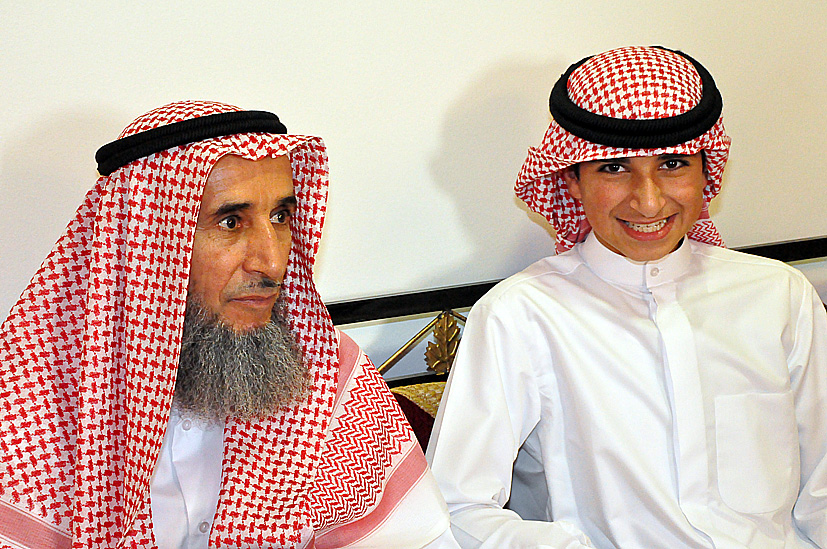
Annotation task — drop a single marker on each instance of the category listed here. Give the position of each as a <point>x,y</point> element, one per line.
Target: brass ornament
<point>440,353</point>
<point>439,357</point>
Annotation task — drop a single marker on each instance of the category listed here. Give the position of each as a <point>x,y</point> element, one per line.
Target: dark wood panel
<point>457,297</point>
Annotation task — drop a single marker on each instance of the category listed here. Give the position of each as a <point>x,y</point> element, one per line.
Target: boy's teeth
<point>646,227</point>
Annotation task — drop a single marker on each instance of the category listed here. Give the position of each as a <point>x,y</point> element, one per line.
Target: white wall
<point>427,109</point>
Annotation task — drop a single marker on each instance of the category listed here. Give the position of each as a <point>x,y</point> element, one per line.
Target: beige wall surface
<point>427,109</point>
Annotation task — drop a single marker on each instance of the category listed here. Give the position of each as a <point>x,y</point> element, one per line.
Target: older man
<point>171,377</point>
<point>645,387</point>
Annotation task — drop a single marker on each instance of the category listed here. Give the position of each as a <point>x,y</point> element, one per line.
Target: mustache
<point>263,283</point>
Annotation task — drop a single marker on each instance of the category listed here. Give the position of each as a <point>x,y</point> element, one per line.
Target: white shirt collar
<point>618,269</point>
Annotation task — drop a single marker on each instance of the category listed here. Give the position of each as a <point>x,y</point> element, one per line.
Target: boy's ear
<point>572,182</point>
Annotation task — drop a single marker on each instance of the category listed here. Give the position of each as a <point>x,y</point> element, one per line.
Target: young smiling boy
<point>645,387</point>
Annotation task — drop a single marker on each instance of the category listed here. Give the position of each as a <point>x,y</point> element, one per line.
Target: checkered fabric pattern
<point>90,353</point>
<point>635,82</point>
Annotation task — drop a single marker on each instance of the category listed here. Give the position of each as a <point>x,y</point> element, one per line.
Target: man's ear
<point>572,182</point>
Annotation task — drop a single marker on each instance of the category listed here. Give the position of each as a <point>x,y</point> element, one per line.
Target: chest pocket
<point>757,449</point>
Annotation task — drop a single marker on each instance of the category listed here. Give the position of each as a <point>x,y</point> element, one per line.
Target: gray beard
<point>246,375</point>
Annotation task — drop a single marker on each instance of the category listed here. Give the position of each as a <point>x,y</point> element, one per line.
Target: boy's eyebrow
<point>621,160</point>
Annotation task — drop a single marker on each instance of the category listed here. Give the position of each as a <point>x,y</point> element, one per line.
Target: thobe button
<point>186,424</point>
<point>204,527</point>
<point>655,271</point>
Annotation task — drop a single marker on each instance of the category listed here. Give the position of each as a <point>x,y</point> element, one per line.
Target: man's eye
<point>230,222</point>
<point>281,217</point>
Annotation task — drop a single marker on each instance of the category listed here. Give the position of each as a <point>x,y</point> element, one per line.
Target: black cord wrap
<point>637,134</point>
<point>121,152</point>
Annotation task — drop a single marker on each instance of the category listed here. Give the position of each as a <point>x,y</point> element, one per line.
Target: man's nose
<point>267,251</point>
<point>647,197</point>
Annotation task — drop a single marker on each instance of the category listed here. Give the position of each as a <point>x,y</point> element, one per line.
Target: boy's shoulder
<point>542,272</point>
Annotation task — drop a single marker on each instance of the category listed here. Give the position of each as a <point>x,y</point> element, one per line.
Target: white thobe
<point>186,482</point>
<point>674,403</point>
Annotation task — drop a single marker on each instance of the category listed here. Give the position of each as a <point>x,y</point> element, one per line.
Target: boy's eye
<point>230,222</point>
<point>612,168</point>
<point>674,163</point>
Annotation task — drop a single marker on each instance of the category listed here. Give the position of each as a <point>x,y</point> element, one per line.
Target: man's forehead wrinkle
<point>217,167</point>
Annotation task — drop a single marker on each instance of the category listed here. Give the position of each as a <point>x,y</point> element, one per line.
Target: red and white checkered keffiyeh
<point>632,83</point>
<point>90,353</point>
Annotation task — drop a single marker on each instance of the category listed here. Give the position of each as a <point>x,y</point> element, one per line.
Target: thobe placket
<point>687,402</point>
